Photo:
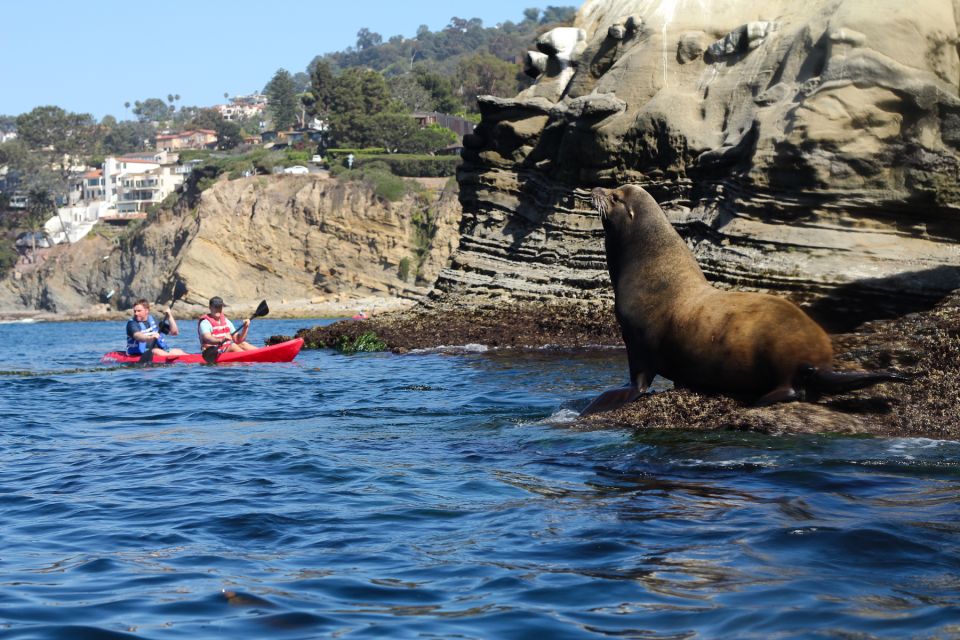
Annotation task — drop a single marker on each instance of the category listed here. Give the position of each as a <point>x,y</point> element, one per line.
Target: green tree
<point>440,89</point>
<point>428,139</point>
<point>558,15</point>
<point>485,74</point>
<point>53,129</point>
<point>356,96</point>
<point>59,138</point>
<point>151,110</point>
<point>367,39</point>
<point>229,134</point>
<point>390,131</point>
<point>283,100</point>
<point>128,136</point>
<point>207,118</point>
<point>321,88</point>
<point>15,154</point>
<point>410,93</point>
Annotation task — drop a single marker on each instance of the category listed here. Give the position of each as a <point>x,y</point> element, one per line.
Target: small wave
<point>561,416</point>
<point>907,446</point>
<point>444,348</point>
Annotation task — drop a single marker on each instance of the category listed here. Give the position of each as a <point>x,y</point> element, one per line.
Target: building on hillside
<point>135,183</point>
<point>19,201</point>
<point>460,126</point>
<point>7,136</point>
<point>9,179</point>
<point>123,190</point>
<point>198,139</point>
<point>238,110</point>
<point>91,185</point>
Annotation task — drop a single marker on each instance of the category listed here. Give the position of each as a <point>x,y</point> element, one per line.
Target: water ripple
<point>440,495</point>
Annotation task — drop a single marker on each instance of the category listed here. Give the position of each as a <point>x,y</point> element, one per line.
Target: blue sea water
<point>439,495</point>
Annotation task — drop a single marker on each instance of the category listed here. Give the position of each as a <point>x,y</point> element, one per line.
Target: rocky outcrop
<point>807,148</point>
<point>301,241</point>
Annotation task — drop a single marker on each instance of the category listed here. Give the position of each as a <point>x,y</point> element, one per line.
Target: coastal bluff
<point>808,149</point>
<point>312,245</point>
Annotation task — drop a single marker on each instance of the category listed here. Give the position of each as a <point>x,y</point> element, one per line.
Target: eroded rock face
<point>286,238</point>
<point>809,148</point>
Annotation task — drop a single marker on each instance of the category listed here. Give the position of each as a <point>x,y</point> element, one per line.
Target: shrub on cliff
<point>413,165</point>
<point>378,177</point>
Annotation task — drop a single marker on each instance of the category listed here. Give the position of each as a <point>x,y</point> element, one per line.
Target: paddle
<point>211,353</point>
<point>179,290</point>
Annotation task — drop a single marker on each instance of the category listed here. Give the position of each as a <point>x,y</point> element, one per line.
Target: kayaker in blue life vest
<point>216,330</point>
<point>145,335</point>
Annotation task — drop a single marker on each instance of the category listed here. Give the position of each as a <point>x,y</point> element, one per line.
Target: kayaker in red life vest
<point>144,334</point>
<point>216,330</point>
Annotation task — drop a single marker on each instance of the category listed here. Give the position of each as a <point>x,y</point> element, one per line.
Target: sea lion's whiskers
<point>600,204</point>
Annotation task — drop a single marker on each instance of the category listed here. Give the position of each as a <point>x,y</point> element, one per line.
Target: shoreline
<point>279,310</point>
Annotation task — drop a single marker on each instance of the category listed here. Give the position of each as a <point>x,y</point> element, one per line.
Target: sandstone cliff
<point>808,148</point>
<point>304,242</point>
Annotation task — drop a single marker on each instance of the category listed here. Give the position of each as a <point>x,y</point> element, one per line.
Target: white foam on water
<point>561,416</point>
<point>446,348</point>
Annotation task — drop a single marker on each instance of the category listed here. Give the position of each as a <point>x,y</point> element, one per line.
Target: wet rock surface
<point>565,326</point>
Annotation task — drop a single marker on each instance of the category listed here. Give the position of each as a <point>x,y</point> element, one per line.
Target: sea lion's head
<point>619,205</point>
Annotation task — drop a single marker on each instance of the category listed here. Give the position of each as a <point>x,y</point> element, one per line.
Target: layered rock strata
<point>807,148</point>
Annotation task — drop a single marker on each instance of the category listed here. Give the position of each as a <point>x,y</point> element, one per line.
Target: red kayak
<point>283,352</point>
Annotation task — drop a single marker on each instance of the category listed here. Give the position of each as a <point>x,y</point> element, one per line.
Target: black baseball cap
<point>216,302</point>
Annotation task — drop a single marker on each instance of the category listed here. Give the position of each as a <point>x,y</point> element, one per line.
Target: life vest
<point>138,348</point>
<point>219,329</point>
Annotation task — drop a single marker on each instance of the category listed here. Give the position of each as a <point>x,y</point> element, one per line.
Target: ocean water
<point>439,495</point>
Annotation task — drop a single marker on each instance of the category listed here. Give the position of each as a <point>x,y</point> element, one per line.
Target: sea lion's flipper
<point>780,394</point>
<point>612,399</point>
<point>841,381</point>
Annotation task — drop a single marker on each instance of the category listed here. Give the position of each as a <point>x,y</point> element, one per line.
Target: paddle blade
<point>210,354</point>
<point>179,290</point>
<point>262,310</point>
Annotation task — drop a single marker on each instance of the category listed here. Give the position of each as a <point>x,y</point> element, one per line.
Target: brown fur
<point>676,324</point>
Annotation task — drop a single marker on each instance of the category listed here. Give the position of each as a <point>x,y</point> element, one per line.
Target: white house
<point>123,190</point>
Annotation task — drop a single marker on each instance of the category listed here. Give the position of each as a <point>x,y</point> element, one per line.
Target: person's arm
<point>172,328</point>
<point>241,336</point>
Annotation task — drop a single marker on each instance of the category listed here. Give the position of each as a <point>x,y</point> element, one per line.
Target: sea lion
<point>676,324</point>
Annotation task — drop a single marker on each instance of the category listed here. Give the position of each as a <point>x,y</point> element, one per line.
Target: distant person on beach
<point>216,330</point>
<point>145,336</point>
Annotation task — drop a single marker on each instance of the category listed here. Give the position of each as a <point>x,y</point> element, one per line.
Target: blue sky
<point>91,58</point>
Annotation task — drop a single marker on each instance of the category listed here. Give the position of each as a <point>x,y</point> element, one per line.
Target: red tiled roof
<point>186,134</point>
